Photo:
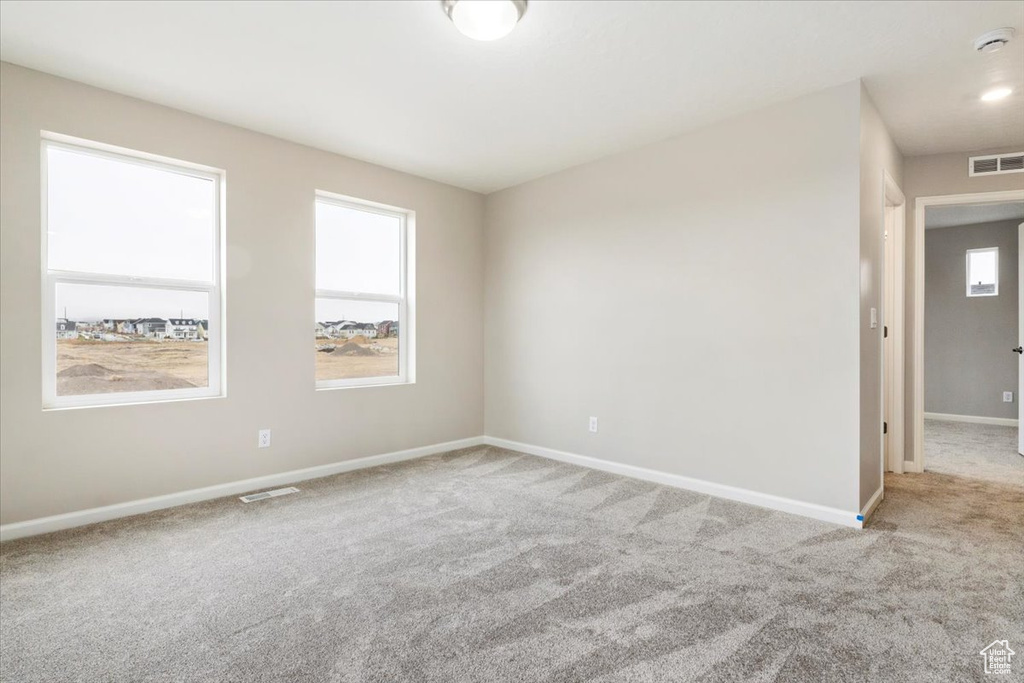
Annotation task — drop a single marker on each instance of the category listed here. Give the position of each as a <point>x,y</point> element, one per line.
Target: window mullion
<point>358,296</point>
<point>74,277</point>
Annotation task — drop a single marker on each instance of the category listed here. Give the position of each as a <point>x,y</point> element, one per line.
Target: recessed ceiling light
<point>996,94</point>
<point>484,19</point>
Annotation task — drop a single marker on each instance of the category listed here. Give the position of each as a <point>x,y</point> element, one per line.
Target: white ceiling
<point>973,214</point>
<point>396,84</point>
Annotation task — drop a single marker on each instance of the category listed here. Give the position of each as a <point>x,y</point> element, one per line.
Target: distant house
<point>338,325</point>
<point>346,329</point>
<point>186,329</point>
<point>151,327</point>
<point>119,325</point>
<point>332,328</point>
<point>387,328</point>
<point>67,329</point>
<point>349,330</point>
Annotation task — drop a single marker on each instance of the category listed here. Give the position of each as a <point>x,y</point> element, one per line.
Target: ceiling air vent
<point>997,163</point>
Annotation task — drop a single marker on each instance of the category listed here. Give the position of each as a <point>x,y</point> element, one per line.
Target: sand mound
<point>352,349</point>
<point>358,339</point>
<point>70,385</point>
<point>86,370</point>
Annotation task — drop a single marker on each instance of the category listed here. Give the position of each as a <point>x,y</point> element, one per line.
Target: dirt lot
<point>357,358</point>
<point>86,366</point>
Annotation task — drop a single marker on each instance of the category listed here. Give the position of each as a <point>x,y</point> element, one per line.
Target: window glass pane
<point>356,339</point>
<point>981,271</point>
<point>356,251</point>
<point>114,339</point>
<point>123,218</point>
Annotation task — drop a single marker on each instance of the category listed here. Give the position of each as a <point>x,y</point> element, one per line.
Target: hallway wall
<point>967,340</point>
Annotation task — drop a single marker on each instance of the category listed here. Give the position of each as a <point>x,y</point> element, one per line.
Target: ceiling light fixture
<point>996,94</point>
<point>993,41</point>
<point>484,19</point>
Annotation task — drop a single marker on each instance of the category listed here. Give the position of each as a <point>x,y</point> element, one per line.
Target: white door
<point>1020,338</point>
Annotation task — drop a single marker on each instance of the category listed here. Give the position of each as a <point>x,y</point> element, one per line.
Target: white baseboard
<point>974,419</point>
<point>69,520</point>
<point>796,507</point>
<point>872,503</point>
<point>101,514</point>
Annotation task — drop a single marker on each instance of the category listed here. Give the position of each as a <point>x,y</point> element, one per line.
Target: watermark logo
<point>997,657</point>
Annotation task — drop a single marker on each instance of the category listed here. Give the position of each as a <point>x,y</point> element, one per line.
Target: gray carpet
<point>487,565</point>
<point>973,450</point>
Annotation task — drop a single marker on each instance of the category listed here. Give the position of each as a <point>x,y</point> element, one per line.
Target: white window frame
<point>213,288</point>
<point>404,299</point>
<point>994,250</point>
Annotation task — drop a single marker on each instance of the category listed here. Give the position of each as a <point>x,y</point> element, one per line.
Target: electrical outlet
<point>1007,397</point>
<point>593,425</point>
<point>264,441</point>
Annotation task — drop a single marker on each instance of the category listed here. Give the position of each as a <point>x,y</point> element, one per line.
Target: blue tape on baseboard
<point>860,518</point>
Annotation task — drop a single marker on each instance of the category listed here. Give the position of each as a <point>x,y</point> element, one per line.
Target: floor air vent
<point>253,497</point>
<point>997,163</point>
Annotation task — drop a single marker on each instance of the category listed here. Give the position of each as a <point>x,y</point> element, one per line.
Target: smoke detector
<point>993,40</point>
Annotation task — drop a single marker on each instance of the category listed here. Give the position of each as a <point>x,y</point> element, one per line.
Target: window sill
<point>131,402</point>
<point>333,385</point>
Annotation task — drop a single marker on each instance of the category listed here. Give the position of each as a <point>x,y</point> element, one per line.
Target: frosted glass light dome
<point>485,19</point>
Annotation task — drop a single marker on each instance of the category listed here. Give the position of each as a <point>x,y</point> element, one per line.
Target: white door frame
<point>917,463</point>
<point>893,396</point>
<point>1020,338</point>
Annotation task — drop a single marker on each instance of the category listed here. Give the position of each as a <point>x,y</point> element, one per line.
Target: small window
<point>983,272</point>
<point>362,335</point>
<point>132,298</point>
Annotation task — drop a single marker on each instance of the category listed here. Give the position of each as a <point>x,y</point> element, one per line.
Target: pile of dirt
<point>350,348</point>
<point>86,370</point>
<point>358,339</point>
<point>71,385</point>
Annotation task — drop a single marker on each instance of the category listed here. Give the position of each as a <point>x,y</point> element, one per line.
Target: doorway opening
<point>968,327</point>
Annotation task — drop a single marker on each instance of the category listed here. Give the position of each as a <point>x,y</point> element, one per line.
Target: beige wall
<point>705,297</point>
<point>700,296</point>
<point>878,154</point>
<point>967,359</point>
<point>930,176</point>
<point>61,461</point>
